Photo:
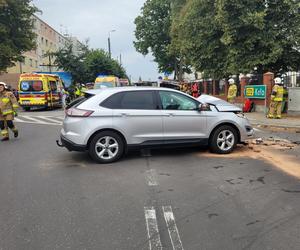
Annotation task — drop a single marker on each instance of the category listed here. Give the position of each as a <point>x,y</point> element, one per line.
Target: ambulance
<point>40,91</point>
<point>103,81</point>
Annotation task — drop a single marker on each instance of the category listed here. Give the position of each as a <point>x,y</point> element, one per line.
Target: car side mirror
<point>203,107</point>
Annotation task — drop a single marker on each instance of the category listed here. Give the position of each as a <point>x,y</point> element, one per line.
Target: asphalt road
<point>184,199</point>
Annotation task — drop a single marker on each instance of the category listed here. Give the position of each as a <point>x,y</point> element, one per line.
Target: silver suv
<point>110,121</point>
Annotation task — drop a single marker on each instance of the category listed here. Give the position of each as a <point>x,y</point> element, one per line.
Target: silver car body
<point>155,126</point>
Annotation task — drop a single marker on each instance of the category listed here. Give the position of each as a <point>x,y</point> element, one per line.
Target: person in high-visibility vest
<point>8,110</point>
<point>232,91</point>
<point>77,91</point>
<point>83,89</point>
<point>276,99</point>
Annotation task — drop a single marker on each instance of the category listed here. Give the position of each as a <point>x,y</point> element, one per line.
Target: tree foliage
<point>153,34</point>
<point>86,65</point>
<point>16,31</point>
<point>222,37</point>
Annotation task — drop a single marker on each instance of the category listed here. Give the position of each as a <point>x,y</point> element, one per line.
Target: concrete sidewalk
<point>257,118</point>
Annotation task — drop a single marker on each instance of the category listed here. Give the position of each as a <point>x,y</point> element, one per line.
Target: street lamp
<point>109,49</point>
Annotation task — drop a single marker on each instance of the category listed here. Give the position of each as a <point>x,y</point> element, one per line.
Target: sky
<point>93,19</point>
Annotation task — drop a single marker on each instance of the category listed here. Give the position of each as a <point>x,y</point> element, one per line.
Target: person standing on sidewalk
<point>276,100</point>
<point>232,91</point>
<point>8,107</point>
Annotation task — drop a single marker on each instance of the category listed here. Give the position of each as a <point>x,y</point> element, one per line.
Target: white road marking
<point>31,120</point>
<point>47,118</point>
<point>152,229</point>
<point>151,177</point>
<point>60,117</point>
<point>172,228</point>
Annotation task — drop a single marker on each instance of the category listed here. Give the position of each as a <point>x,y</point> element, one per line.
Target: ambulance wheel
<point>26,108</point>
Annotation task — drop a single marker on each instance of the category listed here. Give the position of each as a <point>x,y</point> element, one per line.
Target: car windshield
<point>32,86</point>
<point>100,85</point>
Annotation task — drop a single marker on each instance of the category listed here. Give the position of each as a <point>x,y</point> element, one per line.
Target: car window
<point>131,100</point>
<point>138,100</point>
<point>31,86</point>
<point>79,100</point>
<point>113,102</point>
<point>53,85</point>
<point>175,101</point>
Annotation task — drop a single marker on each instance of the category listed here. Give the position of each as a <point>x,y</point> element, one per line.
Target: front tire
<point>223,140</point>
<point>106,147</point>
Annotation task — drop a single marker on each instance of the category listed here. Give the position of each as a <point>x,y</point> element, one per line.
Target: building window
<point>30,62</point>
<point>36,63</point>
<point>42,40</point>
<point>46,42</point>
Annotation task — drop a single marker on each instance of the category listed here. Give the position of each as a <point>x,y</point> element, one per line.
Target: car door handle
<point>124,114</point>
<point>170,114</point>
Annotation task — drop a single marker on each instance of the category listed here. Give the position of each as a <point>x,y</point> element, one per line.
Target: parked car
<point>108,122</point>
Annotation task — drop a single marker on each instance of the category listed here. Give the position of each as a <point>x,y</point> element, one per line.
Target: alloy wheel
<point>107,147</point>
<point>225,140</point>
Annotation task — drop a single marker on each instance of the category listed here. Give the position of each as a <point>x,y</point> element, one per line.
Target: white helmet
<point>3,84</point>
<point>231,81</point>
<point>277,80</point>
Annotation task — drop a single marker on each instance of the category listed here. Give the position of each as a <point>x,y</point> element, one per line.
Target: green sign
<point>255,91</point>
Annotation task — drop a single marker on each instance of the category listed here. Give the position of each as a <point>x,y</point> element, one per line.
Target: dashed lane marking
<point>172,228</point>
<point>152,229</point>
<point>151,177</point>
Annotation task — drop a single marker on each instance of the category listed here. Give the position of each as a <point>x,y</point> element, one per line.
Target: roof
<point>37,75</point>
<point>127,88</point>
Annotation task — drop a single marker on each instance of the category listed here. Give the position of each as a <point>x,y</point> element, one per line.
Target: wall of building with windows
<point>47,40</point>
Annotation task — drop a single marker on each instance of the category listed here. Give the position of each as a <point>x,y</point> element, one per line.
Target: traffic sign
<point>255,91</point>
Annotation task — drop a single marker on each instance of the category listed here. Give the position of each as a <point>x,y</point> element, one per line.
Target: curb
<point>275,126</point>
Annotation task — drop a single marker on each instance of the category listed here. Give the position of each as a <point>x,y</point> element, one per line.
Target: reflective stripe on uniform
<point>7,111</point>
<point>5,100</point>
<point>4,132</point>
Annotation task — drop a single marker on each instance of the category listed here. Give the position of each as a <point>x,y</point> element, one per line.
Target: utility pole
<point>108,40</point>
<point>120,59</point>
<point>21,70</point>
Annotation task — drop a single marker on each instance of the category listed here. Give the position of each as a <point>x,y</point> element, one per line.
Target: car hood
<point>220,104</point>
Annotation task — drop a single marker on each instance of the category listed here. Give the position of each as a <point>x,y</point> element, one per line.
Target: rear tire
<point>223,140</point>
<point>26,108</point>
<point>106,147</point>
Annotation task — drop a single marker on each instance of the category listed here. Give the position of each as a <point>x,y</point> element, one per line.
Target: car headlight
<point>241,115</point>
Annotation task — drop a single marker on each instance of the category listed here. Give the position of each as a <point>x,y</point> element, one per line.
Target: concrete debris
<point>259,141</point>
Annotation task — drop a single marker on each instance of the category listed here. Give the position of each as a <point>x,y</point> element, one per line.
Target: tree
<point>153,34</point>
<point>67,60</point>
<point>235,36</point>
<point>283,23</point>
<point>16,31</point>
<point>99,62</point>
<point>198,38</point>
<point>86,64</point>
